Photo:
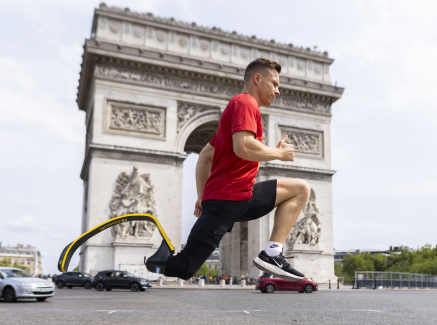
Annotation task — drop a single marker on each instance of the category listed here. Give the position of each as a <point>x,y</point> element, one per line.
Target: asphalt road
<point>173,306</point>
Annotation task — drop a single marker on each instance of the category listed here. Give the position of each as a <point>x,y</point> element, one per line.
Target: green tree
<point>380,262</point>
<point>5,262</point>
<point>213,272</point>
<point>8,262</point>
<point>426,267</point>
<point>204,270</point>
<point>352,263</point>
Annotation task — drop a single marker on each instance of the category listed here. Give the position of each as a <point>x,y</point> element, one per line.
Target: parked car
<point>114,279</point>
<point>268,283</point>
<point>74,279</point>
<point>18,284</point>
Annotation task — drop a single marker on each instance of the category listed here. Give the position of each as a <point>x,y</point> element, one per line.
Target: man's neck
<point>252,93</point>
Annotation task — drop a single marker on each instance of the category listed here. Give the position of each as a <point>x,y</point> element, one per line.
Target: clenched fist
<point>286,150</point>
<point>198,208</point>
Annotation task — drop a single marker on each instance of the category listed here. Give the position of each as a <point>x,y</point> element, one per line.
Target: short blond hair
<point>261,63</point>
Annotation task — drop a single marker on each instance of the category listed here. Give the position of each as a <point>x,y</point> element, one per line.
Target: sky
<point>384,129</point>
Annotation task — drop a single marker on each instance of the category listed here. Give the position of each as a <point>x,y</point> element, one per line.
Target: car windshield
<point>14,273</point>
<point>130,275</point>
<point>87,274</point>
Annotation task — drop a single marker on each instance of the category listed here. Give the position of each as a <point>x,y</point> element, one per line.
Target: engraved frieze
<point>303,104</point>
<point>205,88</point>
<point>306,142</point>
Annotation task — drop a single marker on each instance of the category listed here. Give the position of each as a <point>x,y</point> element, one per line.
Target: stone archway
<point>198,138</point>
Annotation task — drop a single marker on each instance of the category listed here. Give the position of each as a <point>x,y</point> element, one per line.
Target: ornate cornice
<point>214,31</point>
<point>272,169</point>
<point>95,150</point>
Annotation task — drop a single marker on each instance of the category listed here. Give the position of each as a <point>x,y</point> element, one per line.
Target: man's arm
<point>203,170</point>
<point>247,147</point>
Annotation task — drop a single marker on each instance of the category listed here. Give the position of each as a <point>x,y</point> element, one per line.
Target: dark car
<point>74,279</point>
<point>269,283</point>
<point>114,279</point>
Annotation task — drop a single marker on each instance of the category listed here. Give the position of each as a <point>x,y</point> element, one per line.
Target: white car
<point>18,284</point>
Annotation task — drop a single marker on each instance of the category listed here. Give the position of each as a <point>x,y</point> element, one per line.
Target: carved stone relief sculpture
<point>187,111</point>
<point>307,230</point>
<point>307,143</point>
<point>139,119</point>
<point>133,194</point>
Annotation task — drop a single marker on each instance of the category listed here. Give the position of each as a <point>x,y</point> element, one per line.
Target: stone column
<point>225,254</point>
<point>235,250</point>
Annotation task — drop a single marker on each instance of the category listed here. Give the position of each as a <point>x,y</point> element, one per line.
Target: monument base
<point>130,250</point>
<point>312,262</point>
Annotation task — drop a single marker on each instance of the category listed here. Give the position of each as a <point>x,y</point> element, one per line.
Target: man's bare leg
<point>291,196</point>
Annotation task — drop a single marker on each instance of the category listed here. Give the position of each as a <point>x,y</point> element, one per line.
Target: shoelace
<point>285,263</point>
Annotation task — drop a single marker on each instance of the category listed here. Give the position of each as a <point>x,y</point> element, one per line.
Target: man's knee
<point>298,187</point>
<point>303,189</point>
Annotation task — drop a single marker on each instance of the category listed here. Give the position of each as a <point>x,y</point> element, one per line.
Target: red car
<point>269,283</point>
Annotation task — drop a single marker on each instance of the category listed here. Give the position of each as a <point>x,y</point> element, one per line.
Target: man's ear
<point>257,78</point>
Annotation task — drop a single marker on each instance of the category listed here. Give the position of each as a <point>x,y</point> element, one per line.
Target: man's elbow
<point>241,152</point>
<point>207,155</point>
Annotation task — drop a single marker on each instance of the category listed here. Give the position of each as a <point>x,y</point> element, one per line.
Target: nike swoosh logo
<point>280,265</point>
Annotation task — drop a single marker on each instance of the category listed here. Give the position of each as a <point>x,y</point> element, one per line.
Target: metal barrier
<point>373,280</point>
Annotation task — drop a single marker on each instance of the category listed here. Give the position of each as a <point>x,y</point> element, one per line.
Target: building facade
<point>21,255</point>
<point>153,90</point>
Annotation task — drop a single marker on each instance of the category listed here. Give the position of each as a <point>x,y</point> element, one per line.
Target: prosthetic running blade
<point>70,249</point>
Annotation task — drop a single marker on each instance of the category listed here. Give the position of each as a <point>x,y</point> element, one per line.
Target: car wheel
<point>87,285</point>
<point>270,288</point>
<point>70,287</point>
<point>9,294</point>
<point>301,291</point>
<point>100,286</point>
<point>134,287</point>
<point>60,284</point>
<point>41,298</point>
<point>308,288</point>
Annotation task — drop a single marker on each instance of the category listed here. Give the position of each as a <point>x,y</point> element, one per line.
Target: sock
<point>273,248</point>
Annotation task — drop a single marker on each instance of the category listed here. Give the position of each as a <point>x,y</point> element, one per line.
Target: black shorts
<point>219,216</point>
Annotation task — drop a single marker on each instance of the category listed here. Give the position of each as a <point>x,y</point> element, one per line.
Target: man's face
<point>268,86</point>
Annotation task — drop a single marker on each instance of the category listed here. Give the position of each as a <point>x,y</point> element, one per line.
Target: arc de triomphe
<point>153,90</point>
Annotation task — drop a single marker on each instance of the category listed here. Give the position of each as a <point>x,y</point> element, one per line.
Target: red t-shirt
<point>232,178</point>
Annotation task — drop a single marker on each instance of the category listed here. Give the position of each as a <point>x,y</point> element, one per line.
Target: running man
<point>226,189</point>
